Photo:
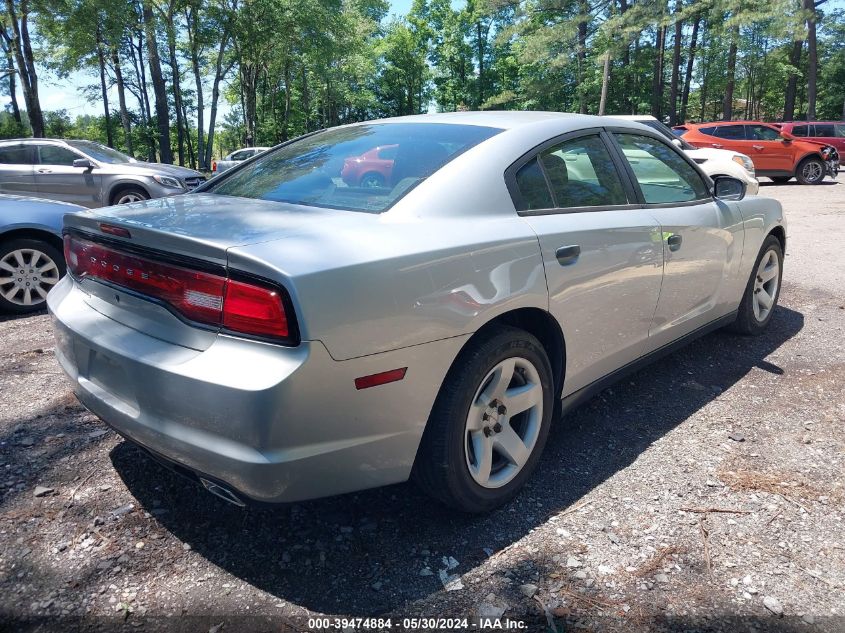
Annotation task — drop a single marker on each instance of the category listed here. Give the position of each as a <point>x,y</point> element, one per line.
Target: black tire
<point>781,180</point>
<point>747,322</point>
<point>371,180</point>
<point>17,282</point>
<point>129,191</point>
<point>441,468</point>
<point>818,171</point>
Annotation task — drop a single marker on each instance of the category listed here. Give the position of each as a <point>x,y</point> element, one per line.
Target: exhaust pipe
<point>223,493</point>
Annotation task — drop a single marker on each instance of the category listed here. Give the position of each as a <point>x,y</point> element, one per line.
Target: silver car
<point>281,335</point>
<point>235,158</point>
<point>86,173</point>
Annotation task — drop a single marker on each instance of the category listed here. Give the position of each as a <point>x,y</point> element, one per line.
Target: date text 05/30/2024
<point>420,624</point>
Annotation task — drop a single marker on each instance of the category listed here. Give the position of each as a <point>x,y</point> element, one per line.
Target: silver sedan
<point>281,334</point>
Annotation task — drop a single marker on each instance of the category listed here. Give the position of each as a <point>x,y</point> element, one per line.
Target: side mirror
<point>787,137</point>
<point>728,188</point>
<point>678,143</point>
<point>83,163</point>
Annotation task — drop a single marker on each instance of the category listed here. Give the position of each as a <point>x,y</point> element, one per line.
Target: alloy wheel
<point>26,276</point>
<point>130,197</point>
<point>766,285</point>
<point>812,171</point>
<point>504,422</point>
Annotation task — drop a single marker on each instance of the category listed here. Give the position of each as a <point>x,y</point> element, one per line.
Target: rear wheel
<point>372,180</point>
<point>130,194</point>
<point>781,179</point>
<point>763,289</point>
<point>489,424</point>
<point>28,271</point>
<point>810,171</point>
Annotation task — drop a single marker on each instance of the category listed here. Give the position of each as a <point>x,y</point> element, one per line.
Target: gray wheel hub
<point>26,276</point>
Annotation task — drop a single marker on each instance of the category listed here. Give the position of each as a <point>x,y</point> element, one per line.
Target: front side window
<point>310,171</point>
<point>664,176</point>
<point>56,155</point>
<point>824,129</point>
<point>101,153</point>
<point>731,132</point>
<point>763,133</point>
<point>17,155</point>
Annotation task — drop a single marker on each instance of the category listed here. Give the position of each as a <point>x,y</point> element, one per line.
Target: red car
<point>776,154</point>
<point>373,168</point>
<point>828,132</point>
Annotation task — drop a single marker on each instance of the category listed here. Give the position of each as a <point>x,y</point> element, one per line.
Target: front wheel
<point>28,271</point>
<point>763,289</point>
<point>489,424</point>
<point>810,171</point>
<point>130,195</point>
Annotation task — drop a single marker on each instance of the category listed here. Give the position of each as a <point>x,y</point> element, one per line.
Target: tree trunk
<point>193,32</point>
<point>286,117</point>
<point>215,96</point>
<point>657,79</point>
<point>162,111</point>
<point>584,10</point>
<point>627,101</point>
<point>6,46</point>
<point>690,64</point>
<point>728,103</point>
<point>605,79</point>
<point>177,91</point>
<point>812,59</point>
<point>143,96</point>
<point>22,49</point>
<point>101,61</point>
<point>480,64</point>
<point>792,82</point>
<point>121,96</point>
<point>676,66</point>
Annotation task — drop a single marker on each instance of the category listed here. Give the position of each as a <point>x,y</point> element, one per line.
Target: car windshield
<point>101,153</point>
<point>666,131</point>
<point>342,168</point>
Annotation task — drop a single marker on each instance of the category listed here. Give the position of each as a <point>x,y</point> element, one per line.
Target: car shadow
<point>795,183</point>
<point>12,316</point>
<point>363,553</point>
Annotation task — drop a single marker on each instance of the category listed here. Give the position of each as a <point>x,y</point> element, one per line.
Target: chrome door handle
<point>717,145</point>
<point>568,255</point>
<point>674,242</point>
<point>758,147</point>
<point>45,171</point>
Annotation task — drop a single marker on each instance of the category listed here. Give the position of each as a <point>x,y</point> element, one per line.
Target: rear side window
<point>319,169</point>
<point>242,155</point>
<point>709,131</point>
<point>664,176</point>
<point>799,130</point>
<point>17,155</point>
<point>732,132</point>
<point>824,129</point>
<point>763,133</point>
<point>533,189</point>
<point>581,174</point>
<point>55,155</point>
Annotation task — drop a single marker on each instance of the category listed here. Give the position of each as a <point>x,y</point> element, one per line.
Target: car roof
<point>632,117</point>
<point>811,123</point>
<point>502,119</point>
<point>16,141</point>
<point>722,123</point>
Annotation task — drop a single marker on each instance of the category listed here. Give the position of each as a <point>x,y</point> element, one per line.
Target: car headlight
<point>168,181</point>
<point>745,161</point>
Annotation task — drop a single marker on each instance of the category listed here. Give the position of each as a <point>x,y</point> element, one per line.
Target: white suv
<point>714,162</point>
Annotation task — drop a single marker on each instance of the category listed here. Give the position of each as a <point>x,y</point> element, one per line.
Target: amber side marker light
<point>374,380</point>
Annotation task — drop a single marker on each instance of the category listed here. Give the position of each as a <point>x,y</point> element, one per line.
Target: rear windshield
<point>346,168</point>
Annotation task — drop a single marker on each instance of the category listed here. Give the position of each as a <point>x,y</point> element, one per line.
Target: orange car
<point>777,155</point>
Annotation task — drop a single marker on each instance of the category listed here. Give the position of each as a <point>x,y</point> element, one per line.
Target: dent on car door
<point>702,239</point>
<point>57,179</point>
<point>17,166</point>
<point>601,253</point>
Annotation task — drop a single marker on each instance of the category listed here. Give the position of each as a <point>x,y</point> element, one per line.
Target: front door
<point>57,179</point>
<point>702,238</point>
<point>601,252</point>
<point>768,149</point>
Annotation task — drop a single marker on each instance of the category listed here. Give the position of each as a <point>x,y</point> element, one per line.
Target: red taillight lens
<point>214,165</point>
<point>199,296</point>
<point>254,310</point>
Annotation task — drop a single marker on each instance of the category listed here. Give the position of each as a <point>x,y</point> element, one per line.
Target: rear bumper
<point>275,424</point>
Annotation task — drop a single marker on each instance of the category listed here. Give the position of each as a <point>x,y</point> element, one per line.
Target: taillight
<point>214,165</point>
<point>199,296</point>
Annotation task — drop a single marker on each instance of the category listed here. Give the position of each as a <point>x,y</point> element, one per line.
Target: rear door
<point>701,237</point>
<point>17,167</point>
<point>601,251</point>
<point>57,179</point>
<point>769,148</point>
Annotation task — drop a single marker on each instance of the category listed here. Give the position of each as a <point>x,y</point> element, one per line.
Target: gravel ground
<point>704,493</point>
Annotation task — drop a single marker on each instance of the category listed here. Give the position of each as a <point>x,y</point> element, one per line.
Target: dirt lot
<point>704,493</point>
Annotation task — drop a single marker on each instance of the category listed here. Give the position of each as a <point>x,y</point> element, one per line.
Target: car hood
<point>708,153</point>
<point>148,169</point>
